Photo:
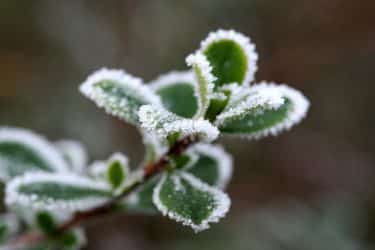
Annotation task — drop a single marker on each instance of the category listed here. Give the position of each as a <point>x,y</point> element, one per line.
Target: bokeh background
<point>312,188</point>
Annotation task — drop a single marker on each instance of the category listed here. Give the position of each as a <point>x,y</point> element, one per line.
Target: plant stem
<point>150,170</point>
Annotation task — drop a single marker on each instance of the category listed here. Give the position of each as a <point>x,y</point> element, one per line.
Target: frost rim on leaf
<point>164,123</point>
<point>200,61</point>
<point>268,98</point>
<point>222,199</point>
<point>36,143</point>
<point>202,69</point>
<point>300,107</point>
<point>120,157</point>
<point>244,42</point>
<point>151,138</point>
<point>13,197</point>
<point>97,169</point>
<point>124,163</point>
<point>223,159</point>
<point>76,152</point>
<point>123,79</point>
<point>172,78</point>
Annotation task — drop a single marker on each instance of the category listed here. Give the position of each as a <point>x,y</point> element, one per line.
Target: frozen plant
<point>50,187</point>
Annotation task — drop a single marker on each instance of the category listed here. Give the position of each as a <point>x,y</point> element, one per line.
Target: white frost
<point>223,160</point>
<point>299,107</point>
<point>222,203</point>
<point>150,139</point>
<point>97,170</point>
<point>109,103</point>
<point>15,197</point>
<point>164,123</point>
<point>204,83</point>
<point>75,152</point>
<point>263,98</point>
<point>173,78</point>
<point>122,159</point>
<point>38,144</point>
<point>243,41</point>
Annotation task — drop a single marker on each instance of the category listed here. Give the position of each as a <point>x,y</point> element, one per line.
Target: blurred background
<point>312,188</point>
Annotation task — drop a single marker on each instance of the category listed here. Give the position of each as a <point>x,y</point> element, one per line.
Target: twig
<point>150,170</point>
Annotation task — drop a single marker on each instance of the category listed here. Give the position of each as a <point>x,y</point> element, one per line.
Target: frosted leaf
<point>79,238</point>
<point>9,225</point>
<point>212,164</point>
<point>232,56</point>
<point>74,153</point>
<point>177,92</point>
<point>119,93</point>
<point>97,170</point>
<point>22,150</point>
<point>28,215</point>
<point>56,191</point>
<point>204,81</point>
<point>140,201</point>
<point>117,170</point>
<point>238,94</point>
<point>262,100</point>
<point>189,201</point>
<point>154,147</point>
<point>164,123</point>
<point>172,78</point>
<point>268,110</point>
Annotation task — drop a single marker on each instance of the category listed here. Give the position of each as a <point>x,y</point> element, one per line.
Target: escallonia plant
<point>50,188</point>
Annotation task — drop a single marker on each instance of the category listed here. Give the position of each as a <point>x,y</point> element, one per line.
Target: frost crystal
<point>164,123</point>
<point>222,203</point>
<point>200,61</point>
<point>204,82</point>
<point>15,197</point>
<point>172,78</point>
<point>75,153</point>
<point>122,108</point>
<point>263,98</point>
<point>243,41</point>
<point>223,159</point>
<point>271,92</point>
<point>34,142</point>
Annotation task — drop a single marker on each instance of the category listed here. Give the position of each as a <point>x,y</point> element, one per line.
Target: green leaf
<point>117,170</point>
<point>177,92</point>
<point>154,147</point>
<point>75,154</point>
<point>53,191</point>
<point>217,104</point>
<point>9,225</point>
<point>211,164</point>
<point>205,79</point>
<point>22,151</point>
<point>231,55</point>
<point>119,93</point>
<point>269,110</point>
<point>46,222</point>
<point>180,161</point>
<point>72,239</point>
<point>141,201</point>
<point>186,199</point>
<point>164,124</point>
